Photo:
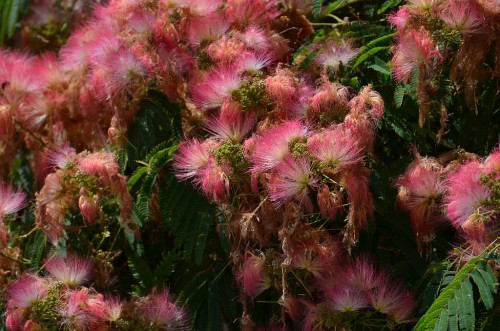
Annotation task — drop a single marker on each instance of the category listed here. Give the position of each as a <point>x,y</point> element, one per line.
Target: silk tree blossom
<point>235,125</point>
<point>272,146</point>
<point>207,29</point>
<point>108,309</point>
<point>336,148</point>
<point>463,15</point>
<point>217,86</point>
<point>335,54</point>
<point>25,291</point>
<point>392,298</point>
<point>400,19</point>
<point>291,182</point>
<point>71,270</point>
<point>252,63</point>
<point>253,275</point>
<point>161,311</point>
<point>191,157</point>
<point>361,273</point>
<point>466,193</point>
<point>416,50</point>
<point>345,298</point>
<point>245,12</point>
<point>73,314</point>
<point>11,201</point>
<point>255,38</point>
<point>213,180</point>
<point>421,189</point>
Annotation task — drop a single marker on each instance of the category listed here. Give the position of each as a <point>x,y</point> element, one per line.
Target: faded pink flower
<point>246,12</point>
<point>330,203</point>
<point>71,270</point>
<point>100,164</point>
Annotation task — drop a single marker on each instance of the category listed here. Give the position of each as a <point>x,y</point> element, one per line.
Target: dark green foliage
<point>454,308</point>
<point>10,11</point>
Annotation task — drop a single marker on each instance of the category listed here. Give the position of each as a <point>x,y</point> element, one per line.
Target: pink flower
<point>207,28</point>
<point>159,309</point>
<point>492,164</point>
<point>191,157</point>
<point>105,309</point>
<point>463,15</point>
<point>234,125</point>
<point>61,156</point>
<point>73,313</point>
<point>124,68</point>
<point>88,205</point>
<point>273,144</point>
<point>25,291</point>
<point>466,193</point>
<point>400,19</point>
<point>345,298</point>
<point>416,50</point>
<point>218,85</point>
<point>245,12</point>
<point>14,320</point>
<point>282,86</point>
<point>252,63</point>
<point>331,99</point>
<point>253,276</point>
<point>361,274</point>
<point>367,103</point>
<point>11,201</point>
<point>335,54</point>
<point>420,189</point>
<point>336,148</point>
<point>213,180</point>
<point>255,38</point>
<point>71,270</point>
<point>391,298</point>
<point>291,181</point>
<point>100,164</point>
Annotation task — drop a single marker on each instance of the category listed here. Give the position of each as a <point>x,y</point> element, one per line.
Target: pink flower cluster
<point>276,137</point>
<point>429,35</point>
<point>465,192</point>
<point>60,300</point>
<point>87,95</point>
<point>80,182</point>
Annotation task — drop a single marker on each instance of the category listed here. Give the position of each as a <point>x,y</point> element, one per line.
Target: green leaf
<point>484,289</point>
<point>366,55</point>
<point>388,5</point>
<point>317,8</point>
